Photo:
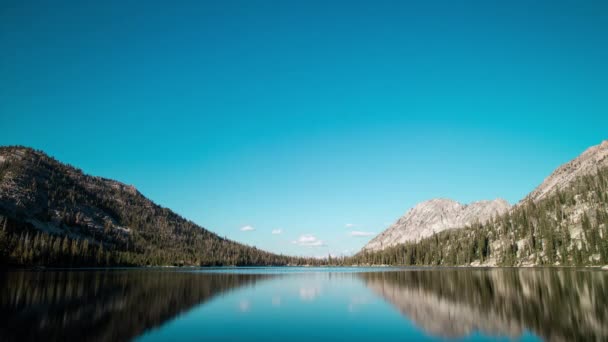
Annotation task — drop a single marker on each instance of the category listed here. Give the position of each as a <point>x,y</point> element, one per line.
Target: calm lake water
<point>305,304</point>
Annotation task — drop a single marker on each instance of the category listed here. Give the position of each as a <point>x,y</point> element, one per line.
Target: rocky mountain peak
<point>587,163</point>
<point>434,216</point>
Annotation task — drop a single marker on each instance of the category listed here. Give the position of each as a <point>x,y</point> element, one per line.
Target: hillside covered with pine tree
<point>569,226</point>
<point>52,214</point>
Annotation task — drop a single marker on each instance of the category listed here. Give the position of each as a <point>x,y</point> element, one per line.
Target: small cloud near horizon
<point>349,225</point>
<point>356,233</point>
<point>308,240</point>
<point>247,228</point>
<point>277,231</point>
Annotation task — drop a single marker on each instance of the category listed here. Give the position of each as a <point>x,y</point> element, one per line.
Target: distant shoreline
<point>384,267</point>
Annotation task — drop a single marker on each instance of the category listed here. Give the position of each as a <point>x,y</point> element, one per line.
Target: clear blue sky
<point>306,116</point>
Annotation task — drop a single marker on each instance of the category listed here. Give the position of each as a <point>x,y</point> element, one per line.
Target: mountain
<point>587,163</point>
<point>562,222</point>
<point>54,214</point>
<point>434,216</point>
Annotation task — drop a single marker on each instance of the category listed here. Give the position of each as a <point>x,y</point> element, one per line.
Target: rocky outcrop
<point>587,163</point>
<point>434,216</point>
<point>437,215</point>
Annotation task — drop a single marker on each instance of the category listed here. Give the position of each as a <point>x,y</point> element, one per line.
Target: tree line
<point>568,228</point>
<point>53,214</point>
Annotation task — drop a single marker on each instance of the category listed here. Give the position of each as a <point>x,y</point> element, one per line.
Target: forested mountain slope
<point>564,221</point>
<point>437,215</point>
<point>53,214</point>
<point>568,226</point>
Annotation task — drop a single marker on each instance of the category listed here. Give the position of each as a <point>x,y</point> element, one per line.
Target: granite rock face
<point>434,216</point>
<point>437,215</point>
<point>587,163</point>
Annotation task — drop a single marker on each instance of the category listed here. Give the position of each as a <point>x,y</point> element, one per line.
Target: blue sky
<point>315,118</point>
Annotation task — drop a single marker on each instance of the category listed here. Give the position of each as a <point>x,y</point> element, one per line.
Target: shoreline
<point>398,267</point>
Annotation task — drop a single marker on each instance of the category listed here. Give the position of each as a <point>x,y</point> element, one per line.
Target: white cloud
<point>308,240</point>
<point>277,231</point>
<point>247,228</point>
<point>349,225</point>
<point>356,233</point>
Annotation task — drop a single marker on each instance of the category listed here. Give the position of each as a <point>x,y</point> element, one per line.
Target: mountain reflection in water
<point>555,304</point>
<point>333,303</point>
<point>112,305</point>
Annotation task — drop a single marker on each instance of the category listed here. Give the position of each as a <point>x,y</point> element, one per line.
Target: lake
<point>305,304</point>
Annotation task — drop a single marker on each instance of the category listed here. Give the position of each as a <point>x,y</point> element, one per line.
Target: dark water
<point>289,304</point>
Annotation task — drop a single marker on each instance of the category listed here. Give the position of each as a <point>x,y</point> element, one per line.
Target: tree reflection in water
<point>117,305</point>
<point>555,304</point>
<point>113,305</point>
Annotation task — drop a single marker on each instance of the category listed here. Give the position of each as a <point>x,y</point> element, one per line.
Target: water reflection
<point>276,301</point>
<point>102,305</point>
<point>309,293</point>
<point>557,305</point>
<point>332,304</point>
